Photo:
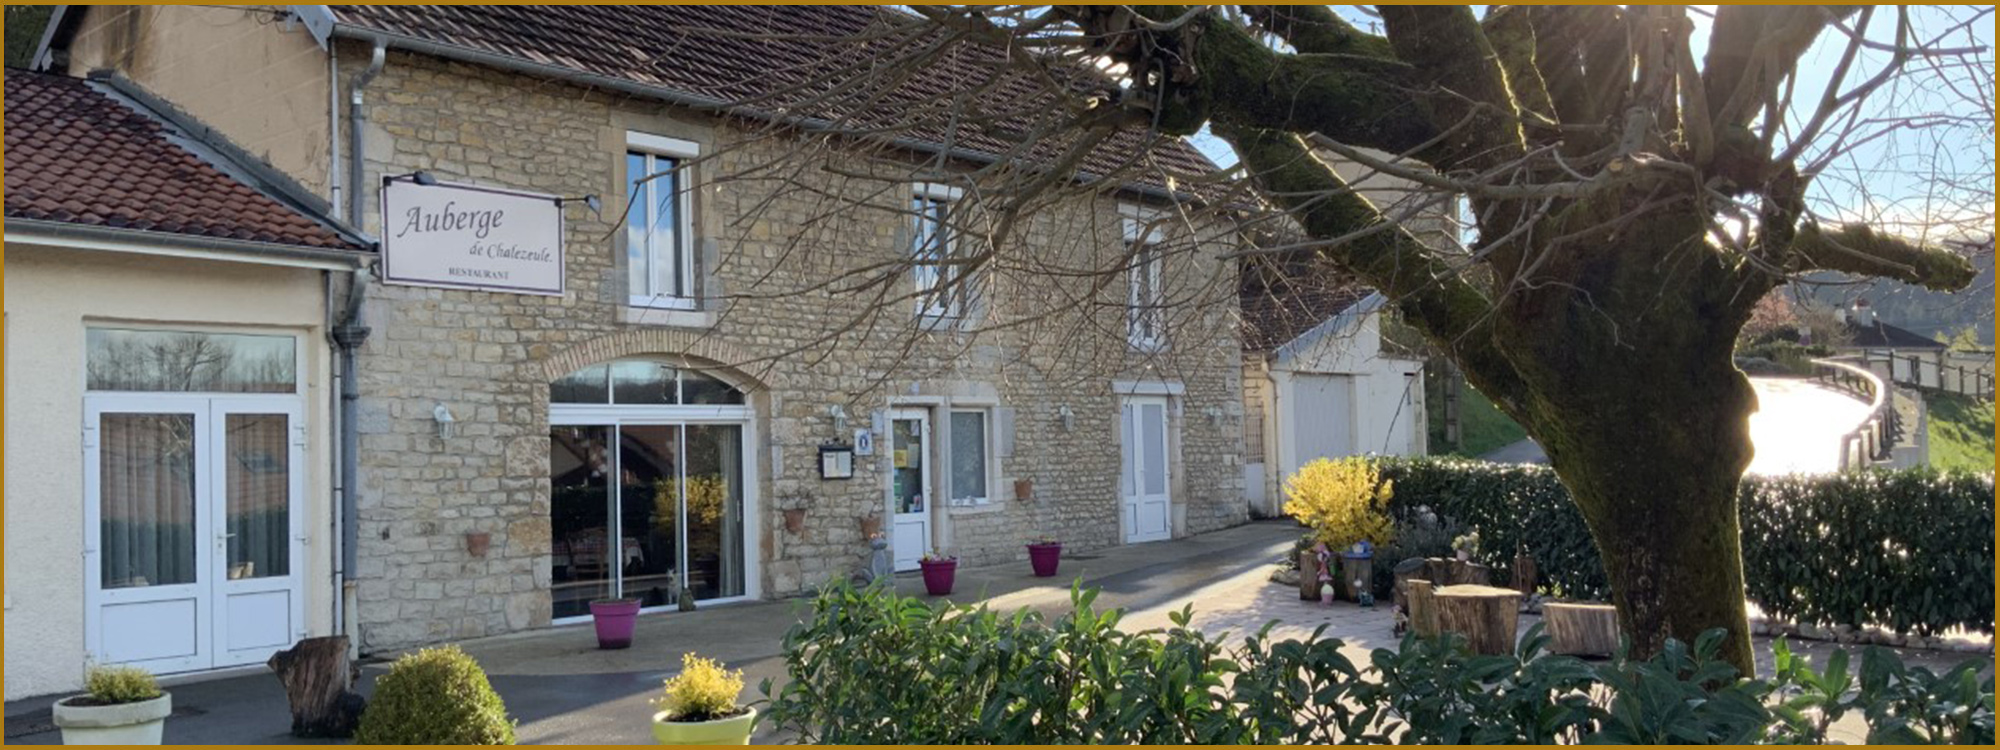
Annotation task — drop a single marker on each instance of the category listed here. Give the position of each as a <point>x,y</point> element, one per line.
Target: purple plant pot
<point>938,575</point>
<point>1044,558</point>
<point>615,619</point>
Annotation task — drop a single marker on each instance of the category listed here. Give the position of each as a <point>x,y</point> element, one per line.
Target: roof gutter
<point>692,101</point>
<point>118,239</point>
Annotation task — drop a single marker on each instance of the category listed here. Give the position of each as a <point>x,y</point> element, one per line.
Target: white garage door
<point>1322,417</point>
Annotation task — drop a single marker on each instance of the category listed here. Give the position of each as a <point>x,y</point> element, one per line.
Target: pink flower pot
<point>938,575</point>
<point>615,620</point>
<point>1044,558</point>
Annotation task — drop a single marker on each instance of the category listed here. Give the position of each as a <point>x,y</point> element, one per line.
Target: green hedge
<point>1909,550</point>
<point>873,668</point>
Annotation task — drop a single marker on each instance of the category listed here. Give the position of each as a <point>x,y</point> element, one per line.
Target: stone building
<point>664,399</point>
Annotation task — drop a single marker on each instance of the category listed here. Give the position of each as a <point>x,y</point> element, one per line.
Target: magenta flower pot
<point>615,620</point>
<point>938,575</point>
<point>1044,558</point>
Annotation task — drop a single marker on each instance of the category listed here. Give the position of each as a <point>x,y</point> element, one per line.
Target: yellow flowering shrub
<point>1343,501</point>
<point>703,691</point>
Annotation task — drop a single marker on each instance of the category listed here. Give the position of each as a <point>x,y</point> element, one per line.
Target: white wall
<point>51,294</point>
<point>1388,399</point>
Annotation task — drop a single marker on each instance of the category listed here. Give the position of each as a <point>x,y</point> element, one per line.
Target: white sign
<point>470,237</point>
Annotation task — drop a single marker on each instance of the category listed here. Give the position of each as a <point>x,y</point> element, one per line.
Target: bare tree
<point>1627,202</point>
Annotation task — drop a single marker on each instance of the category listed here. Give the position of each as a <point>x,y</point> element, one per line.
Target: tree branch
<point>1859,250</point>
<point>1456,63</point>
<point>1429,293</point>
<point>1317,30</point>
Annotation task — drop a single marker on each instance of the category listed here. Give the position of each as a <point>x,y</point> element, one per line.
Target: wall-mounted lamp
<point>1068,417</point>
<point>445,421</point>
<point>839,414</point>
<point>1214,415</point>
<point>420,177</point>
<point>592,202</point>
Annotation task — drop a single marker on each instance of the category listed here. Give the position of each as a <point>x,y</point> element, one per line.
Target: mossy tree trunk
<point>1598,157</point>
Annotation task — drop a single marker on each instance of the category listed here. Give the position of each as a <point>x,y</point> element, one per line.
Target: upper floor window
<point>659,234</point>
<point>1146,311</point>
<point>941,288</point>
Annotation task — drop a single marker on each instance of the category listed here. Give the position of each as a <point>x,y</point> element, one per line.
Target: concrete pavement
<point>563,690</point>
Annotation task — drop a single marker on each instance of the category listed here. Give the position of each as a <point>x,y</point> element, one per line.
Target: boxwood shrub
<point>1910,550</point>
<point>436,696</point>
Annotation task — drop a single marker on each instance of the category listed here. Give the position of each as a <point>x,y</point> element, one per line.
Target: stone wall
<point>770,247</point>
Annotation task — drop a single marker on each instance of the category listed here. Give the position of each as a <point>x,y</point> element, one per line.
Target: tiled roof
<point>778,60</point>
<point>77,155</point>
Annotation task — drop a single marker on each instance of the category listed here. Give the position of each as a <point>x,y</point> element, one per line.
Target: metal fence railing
<point>1968,375</point>
<point>1872,440</point>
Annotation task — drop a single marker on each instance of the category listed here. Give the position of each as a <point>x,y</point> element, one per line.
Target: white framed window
<point>971,456</point>
<point>659,227</point>
<point>1145,311</point>
<point>942,289</point>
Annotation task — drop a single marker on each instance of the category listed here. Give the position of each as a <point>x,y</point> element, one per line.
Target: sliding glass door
<point>647,492</point>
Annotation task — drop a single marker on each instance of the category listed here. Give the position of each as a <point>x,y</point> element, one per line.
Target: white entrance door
<point>909,485</point>
<point>1322,417</point>
<point>1143,432</point>
<point>192,529</point>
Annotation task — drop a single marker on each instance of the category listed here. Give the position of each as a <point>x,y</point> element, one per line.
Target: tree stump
<point>1445,571</point>
<point>1405,571</point>
<point>1422,607</point>
<point>1484,615</point>
<point>1525,574</point>
<point>318,682</point>
<point>1308,576</point>
<point>1581,629</point>
<point>1356,569</point>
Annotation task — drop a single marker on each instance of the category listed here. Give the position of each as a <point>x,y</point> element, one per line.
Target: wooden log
<point>1308,575</point>
<point>1581,628</point>
<point>1445,571</point>
<point>1438,570</point>
<point>1484,615</point>
<point>318,683</point>
<point>1525,574</point>
<point>1351,570</point>
<point>1423,607</point>
<point>1406,570</point>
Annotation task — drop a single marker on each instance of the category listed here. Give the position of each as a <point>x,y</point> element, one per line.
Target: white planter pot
<point>123,724</point>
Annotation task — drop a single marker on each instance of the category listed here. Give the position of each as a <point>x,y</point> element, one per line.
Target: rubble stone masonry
<point>778,252</point>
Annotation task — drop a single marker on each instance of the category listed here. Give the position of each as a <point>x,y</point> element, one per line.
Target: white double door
<point>193,529</point>
<point>1145,486</point>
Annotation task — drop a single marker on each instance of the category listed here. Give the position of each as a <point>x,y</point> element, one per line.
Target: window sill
<point>666,316</point>
<point>974,510</point>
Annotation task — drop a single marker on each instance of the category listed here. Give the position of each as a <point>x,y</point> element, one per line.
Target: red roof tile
<point>776,59</point>
<point>79,156</point>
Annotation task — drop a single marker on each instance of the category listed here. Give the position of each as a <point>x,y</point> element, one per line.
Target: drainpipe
<point>348,336</point>
<point>357,118</point>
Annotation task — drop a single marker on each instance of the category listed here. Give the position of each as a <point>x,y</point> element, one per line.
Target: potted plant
<point>615,620</point>
<point>698,706</point>
<point>1466,545</point>
<point>120,706</point>
<point>939,571</point>
<point>1044,554</point>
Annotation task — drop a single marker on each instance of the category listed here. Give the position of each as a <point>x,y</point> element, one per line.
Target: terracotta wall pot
<point>477,542</point>
<point>795,520</point>
<point>871,526</point>
<point>1024,489</point>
